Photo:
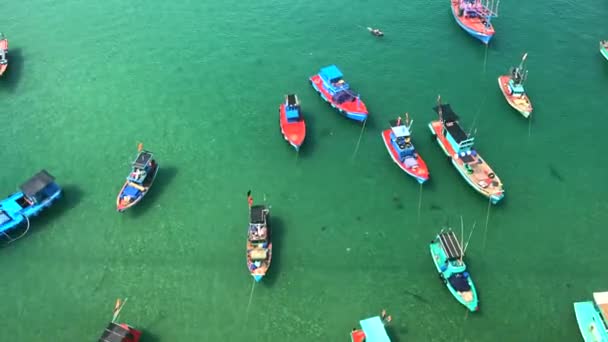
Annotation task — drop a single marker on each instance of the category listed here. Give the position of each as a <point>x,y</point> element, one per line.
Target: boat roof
<point>374,330</point>
<point>456,131</point>
<point>331,73</point>
<point>601,300</point>
<point>450,245</point>
<point>400,131</point>
<point>292,100</point>
<point>256,214</point>
<point>115,333</point>
<point>446,113</point>
<point>142,160</point>
<point>37,183</point>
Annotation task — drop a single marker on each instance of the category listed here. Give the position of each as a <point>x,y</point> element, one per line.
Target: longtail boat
<point>604,48</point>
<point>448,257</point>
<point>375,32</point>
<point>291,121</point>
<point>372,330</point>
<point>512,87</point>
<point>458,146</point>
<point>474,16</point>
<point>3,53</point>
<point>592,318</point>
<point>259,244</point>
<point>38,193</point>
<point>143,173</point>
<point>119,332</point>
<point>330,84</point>
<point>397,140</point>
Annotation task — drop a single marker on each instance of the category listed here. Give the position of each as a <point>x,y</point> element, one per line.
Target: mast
<point>520,73</point>
<point>439,110</point>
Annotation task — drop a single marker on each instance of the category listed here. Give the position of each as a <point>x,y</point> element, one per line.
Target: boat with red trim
<point>373,329</point>
<point>3,53</point>
<point>330,84</point>
<point>458,146</point>
<point>604,48</point>
<point>474,16</point>
<point>143,173</point>
<point>119,332</point>
<point>291,121</point>
<point>512,87</point>
<point>259,243</point>
<point>397,140</point>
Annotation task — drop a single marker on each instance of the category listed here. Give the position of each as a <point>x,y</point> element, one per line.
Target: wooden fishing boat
<point>592,318</point>
<point>259,243</point>
<point>143,173</point>
<point>291,121</point>
<point>3,53</point>
<point>604,48</point>
<point>397,140</point>
<point>375,32</point>
<point>372,330</point>
<point>329,83</point>
<point>474,16</point>
<point>38,193</point>
<point>119,332</point>
<point>458,146</point>
<point>512,87</point>
<point>448,257</point>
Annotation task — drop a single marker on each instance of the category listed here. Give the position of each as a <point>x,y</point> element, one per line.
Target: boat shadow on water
<point>277,230</point>
<point>71,196</point>
<point>12,75</point>
<point>163,179</point>
<point>308,146</point>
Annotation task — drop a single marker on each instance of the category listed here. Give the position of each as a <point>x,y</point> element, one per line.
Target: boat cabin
<point>455,135</point>
<point>258,226</point>
<point>38,189</point>
<point>601,301</point>
<point>292,108</point>
<point>453,251</point>
<point>401,140</point>
<point>141,166</point>
<point>337,87</point>
<point>120,333</point>
<point>374,330</point>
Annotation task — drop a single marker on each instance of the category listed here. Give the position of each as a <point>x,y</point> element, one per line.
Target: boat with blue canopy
<point>372,330</point>
<point>592,318</point>
<point>332,87</point>
<point>448,257</point>
<point>143,173</point>
<point>38,193</point>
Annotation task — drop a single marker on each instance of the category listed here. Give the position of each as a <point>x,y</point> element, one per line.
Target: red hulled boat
<point>292,123</point>
<point>397,140</point>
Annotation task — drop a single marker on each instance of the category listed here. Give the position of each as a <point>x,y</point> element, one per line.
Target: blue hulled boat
<point>140,179</point>
<point>592,318</point>
<point>37,193</point>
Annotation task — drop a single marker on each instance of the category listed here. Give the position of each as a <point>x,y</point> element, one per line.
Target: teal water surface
<point>199,83</point>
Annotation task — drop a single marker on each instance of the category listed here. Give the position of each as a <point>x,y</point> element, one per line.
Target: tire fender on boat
<point>491,175</point>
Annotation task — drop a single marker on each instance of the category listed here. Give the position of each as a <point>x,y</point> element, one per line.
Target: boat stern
<point>589,322</point>
<point>495,198</point>
<point>257,277</point>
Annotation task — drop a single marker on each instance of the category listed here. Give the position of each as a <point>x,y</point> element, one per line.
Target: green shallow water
<point>200,83</point>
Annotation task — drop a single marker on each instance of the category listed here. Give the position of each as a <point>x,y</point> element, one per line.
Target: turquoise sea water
<point>200,83</point>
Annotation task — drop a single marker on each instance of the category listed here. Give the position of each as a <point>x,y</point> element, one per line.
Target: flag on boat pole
<point>117,307</point>
<point>140,147</point>
<point>249,198</point>
<point>525,56</point>
<point>398,121</point>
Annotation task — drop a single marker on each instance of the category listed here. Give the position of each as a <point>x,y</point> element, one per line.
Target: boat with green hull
<point>604,48</point>
<point>448,257</point>
<point>592,318</point>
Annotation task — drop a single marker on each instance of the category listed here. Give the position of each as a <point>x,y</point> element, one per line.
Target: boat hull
<point>19,214</point>
<point>259,273</point>
<point>604,51</point>
<point>293,132</point>
<point>421,173</point>
<point>590,323</point>
<point>3,46</point>
<point>439,258</point>
<point>354,110</point>
<point>120,207</point>
<point>447,149</point>
<point>472,26</point>
<point>520,104</point>
<point>357,336</point>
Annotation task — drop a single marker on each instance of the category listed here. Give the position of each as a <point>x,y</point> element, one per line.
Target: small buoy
<point>348,249</point>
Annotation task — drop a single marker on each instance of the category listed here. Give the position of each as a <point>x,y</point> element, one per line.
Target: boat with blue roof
<point>458,146</point>
<point>398,142</point>
<point>293,126</point>
<point>373,329</point>
<point>259,243</point>
<point>38,193</point>
<point>512,87</point>
<point>448,256</point>
<point>592,318</point>
<point>143,173</point>
<point>332,87</point>
<point>474,16</point>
